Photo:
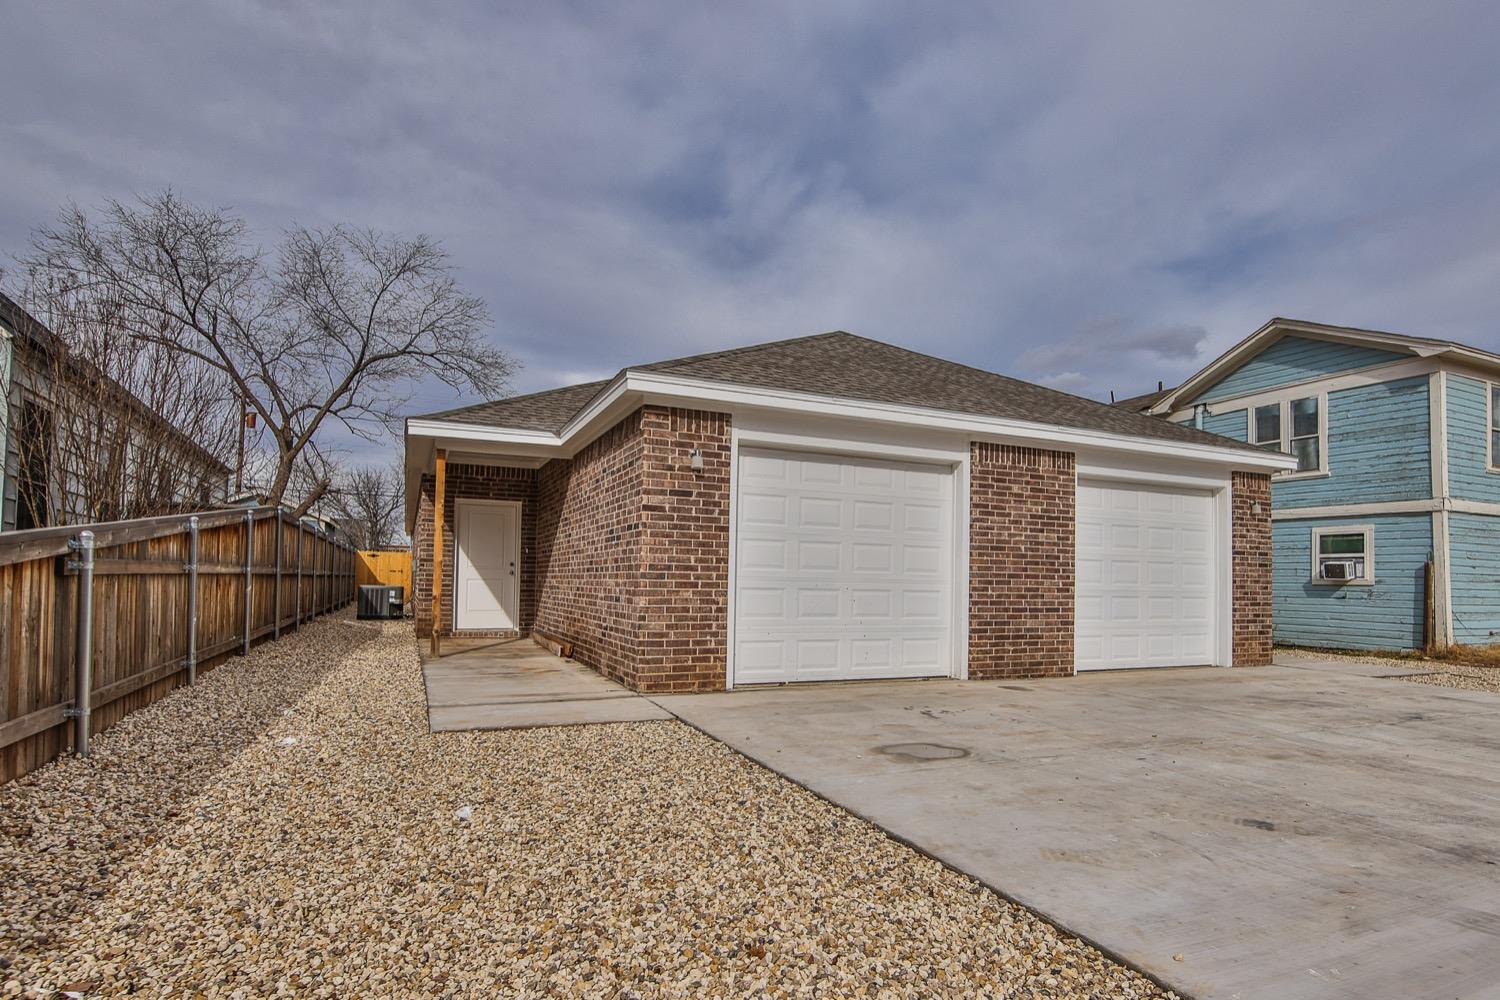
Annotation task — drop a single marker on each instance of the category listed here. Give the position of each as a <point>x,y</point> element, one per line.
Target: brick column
<point>1022,504</point>
<point>684,586</point>
<point>1251,544</point>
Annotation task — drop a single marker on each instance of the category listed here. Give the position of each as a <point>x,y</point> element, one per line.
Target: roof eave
<point>1280,326</point>
<point>633,387</point>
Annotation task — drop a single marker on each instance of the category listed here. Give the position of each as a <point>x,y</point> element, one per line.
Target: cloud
<point>1104,343</point>
<point>1073,382</point>
<point>1102,201</point>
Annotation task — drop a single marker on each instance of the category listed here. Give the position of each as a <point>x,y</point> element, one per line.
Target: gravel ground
<point>1458,675</point>
<point>1439,673</point>
<point>341,850</point>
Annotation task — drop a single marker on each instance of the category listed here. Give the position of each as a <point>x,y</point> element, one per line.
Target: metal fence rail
<point>99,620</point>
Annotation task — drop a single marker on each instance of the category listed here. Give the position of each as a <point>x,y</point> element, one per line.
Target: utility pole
<point>247,419</point>
<point>239,460</point>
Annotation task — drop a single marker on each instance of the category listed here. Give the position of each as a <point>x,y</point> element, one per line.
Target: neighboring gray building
<point>80,447</point>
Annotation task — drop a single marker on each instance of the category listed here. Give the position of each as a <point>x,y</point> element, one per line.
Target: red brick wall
<point>588,550</point>
<point>1251,545</point>
<point>1021,576</point>
<point>471,482</point>
<point>684,551</point>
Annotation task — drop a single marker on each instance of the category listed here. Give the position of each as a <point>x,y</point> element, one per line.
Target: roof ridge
<point>730,352</point>
<point>985,371</point>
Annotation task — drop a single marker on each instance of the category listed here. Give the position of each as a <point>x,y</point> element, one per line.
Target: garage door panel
<point>872,515</point>
<point>922,559</point>
<point>923,606</point>
<point>924,519</point>
<point>763,509</point>
<point>860,552</point>
<point>764,555</point>
<point>1145,577</point>
<point>819,557</point>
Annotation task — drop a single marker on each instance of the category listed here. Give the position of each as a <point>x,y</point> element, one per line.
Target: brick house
<point>835,508</point>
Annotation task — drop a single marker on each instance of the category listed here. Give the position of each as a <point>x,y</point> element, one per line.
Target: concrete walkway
<point>514,684</point>
<point>1275,832</point>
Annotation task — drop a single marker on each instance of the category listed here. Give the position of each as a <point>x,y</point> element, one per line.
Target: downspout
<point>1199,412</point>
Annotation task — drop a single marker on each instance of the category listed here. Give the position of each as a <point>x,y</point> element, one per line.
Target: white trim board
<point>1442,578</point>
<point>1423,506</point>
<point>1437,426</point>
<point>659,387</point>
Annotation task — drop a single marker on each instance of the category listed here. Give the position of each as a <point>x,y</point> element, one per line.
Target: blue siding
<point>1233,424</point>
<point>1294,359</point>
<point>1379,448</point>
<point>1468,476</point>
<point>1387,615</point>
<point>1474,569</point>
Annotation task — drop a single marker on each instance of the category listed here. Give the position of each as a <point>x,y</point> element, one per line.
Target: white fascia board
<point>419,427</point>
<point>677,388</point>
<point>663,387</point>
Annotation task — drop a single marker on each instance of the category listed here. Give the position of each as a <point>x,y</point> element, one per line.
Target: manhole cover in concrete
<point>923,751</point>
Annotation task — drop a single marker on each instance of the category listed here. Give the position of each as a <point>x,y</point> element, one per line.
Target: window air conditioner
<point>1342,569</point>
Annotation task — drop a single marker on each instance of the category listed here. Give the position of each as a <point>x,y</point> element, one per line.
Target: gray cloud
<point>1002,186</point>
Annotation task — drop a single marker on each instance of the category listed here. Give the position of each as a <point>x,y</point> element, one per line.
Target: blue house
<point>1398,446</point>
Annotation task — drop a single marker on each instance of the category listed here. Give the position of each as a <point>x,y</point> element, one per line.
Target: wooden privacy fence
<point>129,610</point>
<point>385,567</point>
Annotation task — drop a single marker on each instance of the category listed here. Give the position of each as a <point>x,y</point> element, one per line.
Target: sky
<point>1093,196</point>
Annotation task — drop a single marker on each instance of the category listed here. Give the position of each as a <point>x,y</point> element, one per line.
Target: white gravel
<point>1458,675</point>
<point>369,858</point>
<point>1439,673</point>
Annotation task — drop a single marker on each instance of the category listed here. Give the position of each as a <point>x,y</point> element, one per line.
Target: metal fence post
<point>249,578</point>
<point>192,600</point>
<point>83,700</point>
<point>276,587</point>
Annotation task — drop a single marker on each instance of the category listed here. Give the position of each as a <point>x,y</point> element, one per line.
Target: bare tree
<point>368,501</point>
<point>112,429</point>
<point>337,326</point>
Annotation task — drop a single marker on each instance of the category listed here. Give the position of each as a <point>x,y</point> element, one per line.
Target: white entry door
<point>1145,577</point>
<point>843,568</point>
<point>487,571</point>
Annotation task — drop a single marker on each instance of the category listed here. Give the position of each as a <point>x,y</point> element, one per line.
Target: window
<point>1343,555</point>
<point>1305,436</point>
<point>34,445</point>
<point>1266,427</point>
<point>1293,426</point>
<point>1494,426</point>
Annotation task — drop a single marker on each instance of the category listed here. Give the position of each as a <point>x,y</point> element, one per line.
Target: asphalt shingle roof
<point>852,367</point>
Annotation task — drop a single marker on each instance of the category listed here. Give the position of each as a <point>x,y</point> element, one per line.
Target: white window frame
<point>1368,531</point>
<point>1489,423</point>
<point>1285,402</point>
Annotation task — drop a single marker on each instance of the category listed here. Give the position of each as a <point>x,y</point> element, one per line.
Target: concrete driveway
<point>1276,832</point>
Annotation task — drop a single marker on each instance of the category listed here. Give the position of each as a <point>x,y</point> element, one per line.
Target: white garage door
<point>843,568</point>
<point>1145,577</point>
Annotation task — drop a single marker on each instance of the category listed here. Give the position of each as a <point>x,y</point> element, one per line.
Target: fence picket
<point>149,633</point>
